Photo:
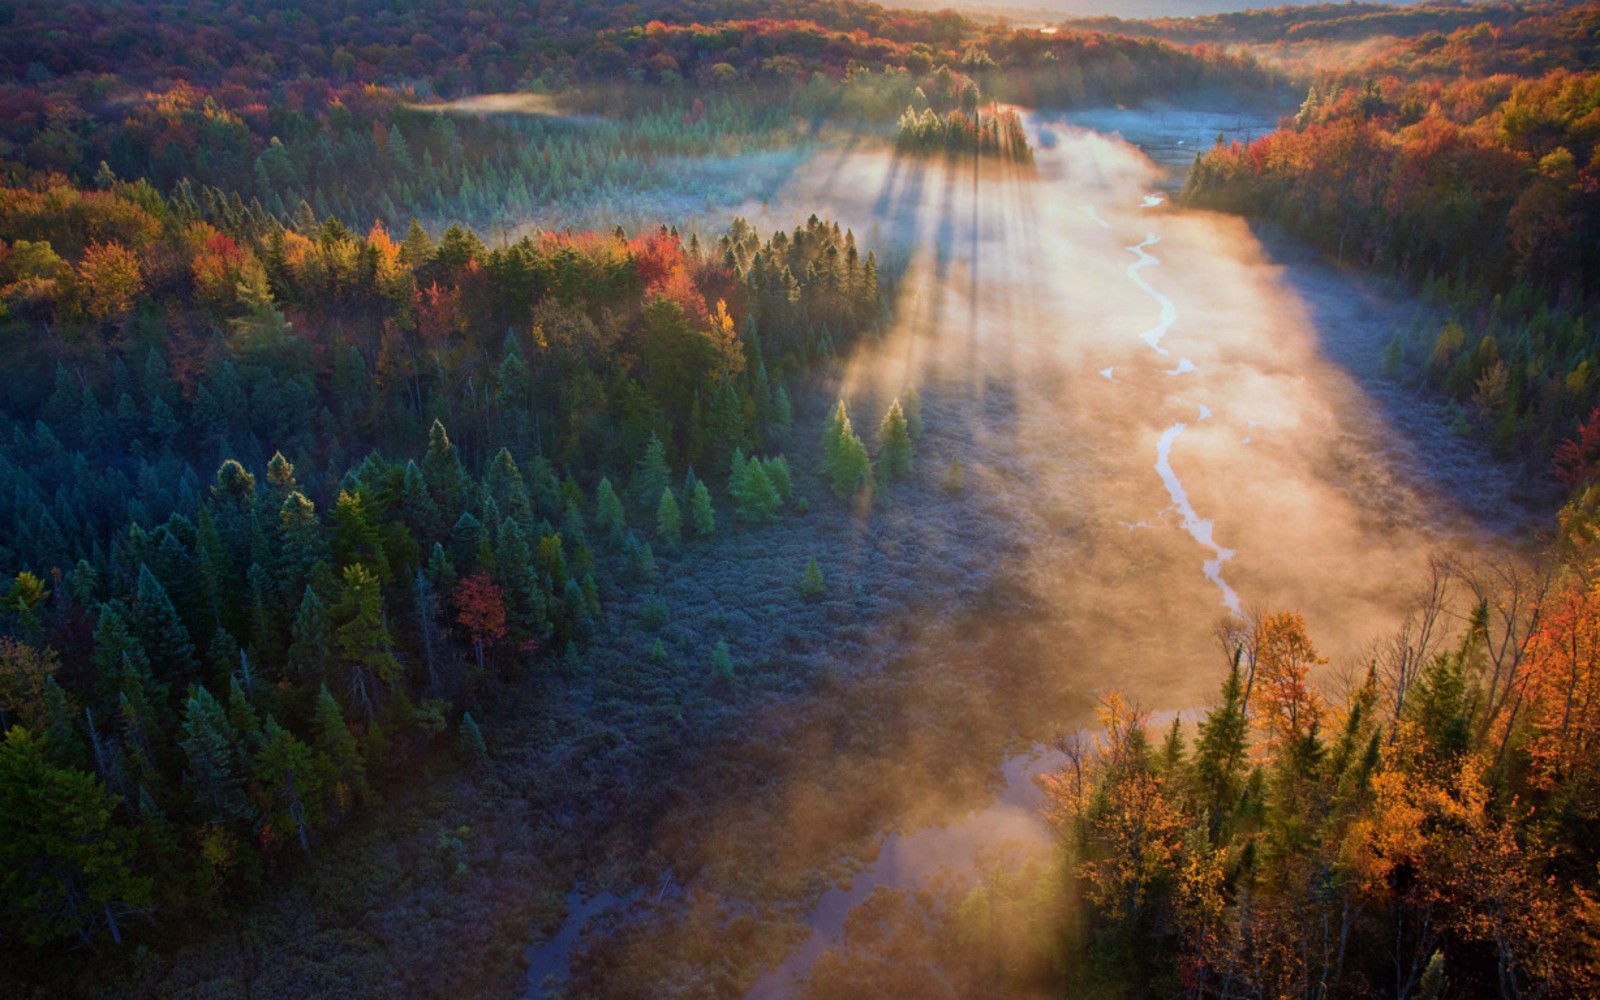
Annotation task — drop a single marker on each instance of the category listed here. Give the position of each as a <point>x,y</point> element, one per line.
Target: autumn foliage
<point>481,611</point>
<point>1411,833</point>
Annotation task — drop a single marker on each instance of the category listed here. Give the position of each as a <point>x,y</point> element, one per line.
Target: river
<point>1182,421</point>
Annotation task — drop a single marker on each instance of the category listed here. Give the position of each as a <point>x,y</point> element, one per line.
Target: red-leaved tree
<point>481,610</point>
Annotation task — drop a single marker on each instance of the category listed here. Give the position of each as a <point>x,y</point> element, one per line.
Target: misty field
<point>1079,350</point>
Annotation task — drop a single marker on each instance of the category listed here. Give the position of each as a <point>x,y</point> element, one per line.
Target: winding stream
<point>1200,529</point>
<point>1015,317</point>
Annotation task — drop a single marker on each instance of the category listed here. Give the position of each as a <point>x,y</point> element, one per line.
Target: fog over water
<point>1168,401</point>
<point>1178,427</point>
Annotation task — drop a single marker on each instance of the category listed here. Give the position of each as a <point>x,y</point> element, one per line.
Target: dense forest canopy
<point>327,447</point>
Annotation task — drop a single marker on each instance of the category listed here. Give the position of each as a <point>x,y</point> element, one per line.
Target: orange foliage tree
<point>108,281</point>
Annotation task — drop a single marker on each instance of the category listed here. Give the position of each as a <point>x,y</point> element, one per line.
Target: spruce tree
<point>505,486</point>
<point>722,662</point>
<point>526,608</point>
<point>652,476</point>
<point>300,547</point>
<point>778,471</point>
<point>211,747</point>
<point>701,515</point>
<point>755,499</point>
<point>782,412</point>
<point>343,770</point>
<point>311,645</point>
<point>355,535</point>
<point>160,631</point>
<point>470,739</point>
<point>363,639</point>
<point>65,866</point>
<point>417,247</point>
<point>955,480</point>
<point>844,456</point>
<point>669,524</point>
<point>894,444</point>
<point>811,583</point>
<point>911,404</point>
<point>288,782</point>
<point>446,479</point>
<point>116,648</point>
<point>1220,748</point>
<point>418,510</point>
<point>609,517</point>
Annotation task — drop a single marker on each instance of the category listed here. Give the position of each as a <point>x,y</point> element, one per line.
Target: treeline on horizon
<point>331,108</point>
<point>1278,29</point>
<point>1466,164</point>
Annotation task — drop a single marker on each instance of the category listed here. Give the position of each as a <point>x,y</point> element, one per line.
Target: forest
<point>1464,162</point>
<point>411,413</point>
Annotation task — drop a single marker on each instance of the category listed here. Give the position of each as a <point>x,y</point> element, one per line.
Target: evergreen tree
<point>470,738</point>
<point>445,476</point>
<point>894,444</point>
<point>1220,748</point>
<point>344,773</point>
<point>417,248</point>
<point>288,784</point>
<point>652,476</point>
<point>755,500</point>
<point>65,867</point>
<point>701,515</point>
<point>722,662</point>
<point>911,402</point>
<point>844,456</point>
<point>241,713</point>
<point>311,646</point>
<point>418,510</point>
<point>782,412</point>
<point>211,746</point>
<point>609,517</point>
<point>955,480</point>
<point>503,484</point>
<point>160,631</point>
<point>116,648</point>
<point>363,639</point>
<point>300,546</point>
<point>778,471</point>
<point>524,597</point>
<point>811,583</point>
<point>355,535</point>
<point>441,571</point>
<point>669,524</point>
